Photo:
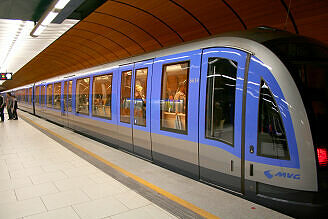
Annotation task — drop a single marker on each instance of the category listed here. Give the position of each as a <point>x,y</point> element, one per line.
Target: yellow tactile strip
<point>161,191</point>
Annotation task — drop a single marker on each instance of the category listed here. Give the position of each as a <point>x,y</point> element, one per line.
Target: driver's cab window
<point>272,141</point>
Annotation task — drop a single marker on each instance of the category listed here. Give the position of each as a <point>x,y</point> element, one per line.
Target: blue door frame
<point>227,172</point>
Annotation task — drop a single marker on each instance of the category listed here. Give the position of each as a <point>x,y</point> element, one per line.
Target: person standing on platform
<point>9,106</point>
<point>2,106</point>
<point>15,117</point>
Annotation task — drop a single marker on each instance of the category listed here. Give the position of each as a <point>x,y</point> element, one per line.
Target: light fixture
<point>61,4</point>
<point>17,47</point>
<point>52,12</point>
<point>18,32</point>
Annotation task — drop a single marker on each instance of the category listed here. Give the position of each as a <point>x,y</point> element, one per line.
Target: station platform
<point>48,171</point>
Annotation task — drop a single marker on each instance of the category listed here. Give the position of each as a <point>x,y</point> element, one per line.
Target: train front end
<point>307,63</point>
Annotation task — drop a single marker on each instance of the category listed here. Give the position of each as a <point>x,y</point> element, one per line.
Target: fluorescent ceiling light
<point>17,47</point>
<point>39,30</point>
<point>15,31</point>
<point>61,4</point>
<point>48,16</point>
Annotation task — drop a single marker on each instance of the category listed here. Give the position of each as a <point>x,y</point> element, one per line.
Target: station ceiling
<point>123,28</point>
<point>32,10</point>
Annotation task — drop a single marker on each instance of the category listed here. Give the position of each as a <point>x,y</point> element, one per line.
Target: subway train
<point>244,112</point>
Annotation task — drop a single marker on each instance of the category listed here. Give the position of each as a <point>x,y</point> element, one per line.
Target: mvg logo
<point>269,175</point>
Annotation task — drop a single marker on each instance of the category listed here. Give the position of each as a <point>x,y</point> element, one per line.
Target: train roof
<point>265,34</point>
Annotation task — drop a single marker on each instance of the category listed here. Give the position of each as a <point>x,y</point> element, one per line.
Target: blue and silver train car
<point>25,97</point>
<point>244,112</point>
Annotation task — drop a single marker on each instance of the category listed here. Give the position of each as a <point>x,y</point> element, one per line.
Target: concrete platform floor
<point>41,178</point>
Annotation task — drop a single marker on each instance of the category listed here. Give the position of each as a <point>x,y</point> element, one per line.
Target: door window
<point>125,96</point>
<point>30,95</point>
<point>57,92</point>
<point>102,96</point>
<point>220,99</point>
<point>140,95</point>
<point>37,93</point>
<point>65,95</point>
<point>26,95</point>
<point>69,97</point>
<point>43,88</point>
<point>174,98</point>
<point>272,141</point>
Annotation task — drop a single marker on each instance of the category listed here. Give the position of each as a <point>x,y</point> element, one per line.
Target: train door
<point>30,99</point>
<point>43,99</point>
<point>67,101</point>
<point>64,103</point>
<point>37,100</point>
<point>270,146</point>
<point>220,117</point>
<point>34,99</point>
<point>140,111</point>
<point>174,112</point>
<point>124,127</point>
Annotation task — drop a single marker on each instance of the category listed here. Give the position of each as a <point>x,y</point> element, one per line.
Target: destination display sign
<point>6,76</point>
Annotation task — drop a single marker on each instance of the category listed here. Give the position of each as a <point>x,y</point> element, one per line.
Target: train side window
<point>272,141</point>
<point>30,96</point>
<point>37,93</point>
<point>174,97</point>
<point>220,100</point>
<point>69,100</point>
<point>140,95</point>
<point>102,96</point>
<point>49,95</point>
<point>125,96</point>
<point>82,95</point>
<point>42,95</point>
<point>57,92</point>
